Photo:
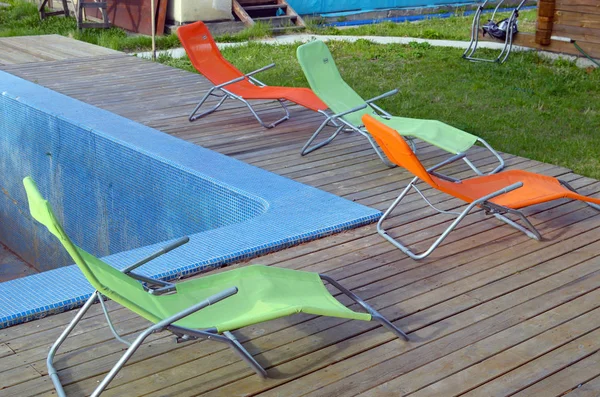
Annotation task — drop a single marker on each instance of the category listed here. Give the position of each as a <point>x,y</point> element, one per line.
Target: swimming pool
<point>122,190</point>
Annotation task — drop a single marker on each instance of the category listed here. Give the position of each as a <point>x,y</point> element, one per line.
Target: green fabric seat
<point>264,293</point>
<point>325,80</point>
<point>202,308</point>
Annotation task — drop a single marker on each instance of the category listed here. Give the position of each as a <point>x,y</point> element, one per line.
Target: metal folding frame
<point>133,346</point>
<point>342,125</point>
<point>228,94</point>
<point>182,334</point>
<point>571,188</point>
<point>498,168</point>
<point>498,211</point>
<point>508,42</point>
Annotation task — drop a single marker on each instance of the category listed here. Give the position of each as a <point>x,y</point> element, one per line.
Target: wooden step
<point>248,3</point>
<point>287,29</point>
<point>261,10</point>
<point>93,5</point>
<point>265,7</point>
<point>277,21</point>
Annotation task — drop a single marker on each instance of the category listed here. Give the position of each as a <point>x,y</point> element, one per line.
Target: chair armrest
<point>382,112</point>
<point>385,95</point>
<point>247,75</point>
<point>267,67</point>
<point>354,109</point>
<point>257,81</point>
<point>445,177</point>
<point>198,306</point>
<point>446,162</point>
<point>162,251</point>
<point>497,193</point>
<point>378,109</point>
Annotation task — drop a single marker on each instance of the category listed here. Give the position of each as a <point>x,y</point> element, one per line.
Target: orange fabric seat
<point>536,189</point>
<point>208,61</point>
<point>500,194</point>
<point>301,96</point>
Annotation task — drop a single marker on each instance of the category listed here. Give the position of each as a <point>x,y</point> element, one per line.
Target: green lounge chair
<point>241,297</point>
<point>349,108</point>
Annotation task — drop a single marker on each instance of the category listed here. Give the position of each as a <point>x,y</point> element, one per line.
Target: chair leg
<point>411,141</point>
<point>435,244</point>
<point>243,353</point>
<point>187,334</point>
<point>306,149</point>
<point>49,362</point>
<point>110,324</point>
<point>571,188</point>
<point>194,116</point>
<point>257,117</point>
<point>529,229</point>
<point>125,357</point>
<point>498,168</point>
<point>132,348</point>
<point>374,313</point>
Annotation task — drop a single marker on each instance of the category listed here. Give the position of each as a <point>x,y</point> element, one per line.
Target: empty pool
<point>122,190</point>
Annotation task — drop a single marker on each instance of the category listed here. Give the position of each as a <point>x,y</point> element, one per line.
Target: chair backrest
<point>325,80</point>
<point>103,277</point>
<point>205,55</point>
<point>396,149</point>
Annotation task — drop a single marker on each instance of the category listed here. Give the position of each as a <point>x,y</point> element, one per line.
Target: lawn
<point>456,27</point>
<point>529,106</point>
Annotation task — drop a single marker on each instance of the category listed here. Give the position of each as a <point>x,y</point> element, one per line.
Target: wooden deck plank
<point>570,378</point>
<point>198,363</point>
<point>487,295</point>
<point>35,49</point>
<point>588,389</point>
<point>325,357</point>
<point>453,363</point>
<point>564,355</point>
<point>5,350</point>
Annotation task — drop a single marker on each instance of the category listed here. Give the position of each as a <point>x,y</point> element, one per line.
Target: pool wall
<point>109,176</point>
<point>109,196</point>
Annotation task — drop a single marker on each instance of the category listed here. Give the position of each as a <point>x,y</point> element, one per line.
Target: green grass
<point>528,106</point>
<point>22,19</point>
<point>454,28</point>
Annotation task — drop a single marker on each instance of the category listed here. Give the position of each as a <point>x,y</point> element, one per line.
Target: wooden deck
<point>490,313</point>
<point>51,47</point>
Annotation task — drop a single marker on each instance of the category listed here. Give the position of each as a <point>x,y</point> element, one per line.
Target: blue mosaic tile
<point>119,186</point>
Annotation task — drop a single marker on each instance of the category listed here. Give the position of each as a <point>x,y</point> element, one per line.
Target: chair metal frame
<point>508,42</point>
<point>228,94</point>
<point>182,334</point>
<point>498,211</point>
<point>343,125</point>
<point>225,94</point>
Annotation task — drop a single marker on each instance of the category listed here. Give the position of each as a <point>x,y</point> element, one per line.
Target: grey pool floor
<point>11,266</point>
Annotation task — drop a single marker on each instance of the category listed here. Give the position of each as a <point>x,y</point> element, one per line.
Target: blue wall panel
<point>309,7</point>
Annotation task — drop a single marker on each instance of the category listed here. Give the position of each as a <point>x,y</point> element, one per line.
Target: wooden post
<point>545,20</point>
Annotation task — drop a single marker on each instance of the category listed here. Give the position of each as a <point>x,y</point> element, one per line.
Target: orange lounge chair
<point>498,194</point>
<point>229,82</point>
